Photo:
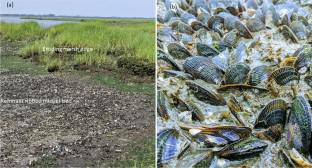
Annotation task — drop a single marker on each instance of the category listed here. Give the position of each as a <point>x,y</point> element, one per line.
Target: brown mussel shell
<point>284,75</point>
<point>273,113</point>
<point>177,51</point>
<point>205,94</point>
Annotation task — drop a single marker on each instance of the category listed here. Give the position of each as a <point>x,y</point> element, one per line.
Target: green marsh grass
<point>27,31</point>
<point>109,39</point>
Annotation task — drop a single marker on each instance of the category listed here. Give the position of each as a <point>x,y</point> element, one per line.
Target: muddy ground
<point>93,126</point>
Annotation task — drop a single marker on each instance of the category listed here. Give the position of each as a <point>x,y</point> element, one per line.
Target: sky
<point>103,8</point>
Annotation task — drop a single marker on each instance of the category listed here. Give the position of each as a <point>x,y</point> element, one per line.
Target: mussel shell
<point>215,23</point>
<point>167,146</point>
<point>182,27</point>
<point>211,140</point>
<point>177,51</point>
<point>205,94</point>
<point>239,54</point>
<point>203,17</point>
<point>299,30</point>
<point>231,38</point>
<point>304,59</point>
<point>228,132</point>
<point>235,107</point>
<point>186,17</point>
<point>232,10</point>
<point>222,136</point>
<point>162,55</point>
<point>300,125</point>
<point>236,74</point>
<point>202,68</point>
<point>284,75</point>
<point>215,20</point>
<point>257,75</point>
<point>196,25</point>
<point>243,30</point>
<point>255,24</point>
<point>162,110</point>
<point>205,50</point>
<point>273,113</point>
<point>243,149</point>
<point>229,20</point>
<point>285,20</point>
<point>289,34</point>
<point>200,4</point>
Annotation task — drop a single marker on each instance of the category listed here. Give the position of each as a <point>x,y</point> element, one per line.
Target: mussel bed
<point>234,83</point>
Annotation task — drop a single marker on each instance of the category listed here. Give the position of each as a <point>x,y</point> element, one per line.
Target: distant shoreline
<point>53,17</point>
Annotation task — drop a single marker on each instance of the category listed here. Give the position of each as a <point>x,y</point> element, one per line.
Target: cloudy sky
<point>104,8</point>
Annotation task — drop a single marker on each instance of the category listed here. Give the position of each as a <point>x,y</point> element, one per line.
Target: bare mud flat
<point>93,126</point>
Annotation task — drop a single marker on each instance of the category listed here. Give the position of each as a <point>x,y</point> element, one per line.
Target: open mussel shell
<point>304,60</point>
<point>243,30</point>
<point>205,50</point>
<point>220,135</point>
<point>167,146</point>
<point>273,113</point>
<point>243,149</point>
<point>205,93</point>
<point>211,141</point>
<point>215,23</point>
<point>177,51</point>
<point>289,34</point>
<point>299,134</point>
<point>202,68</point>
<point>229,131</point>
<point>164,56</point>
<point>257,75</point>
<point>236,74</point>
<point>284,75</point>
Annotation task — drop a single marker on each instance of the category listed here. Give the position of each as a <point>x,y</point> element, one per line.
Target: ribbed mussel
<point>299,127</point>
<point>272,118</point>
<point>202,68</point>
<point>284,75</point>
<point>204,93</point>
<point>216,136</point>
<point>243,149</point>
<point>167,145</point>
